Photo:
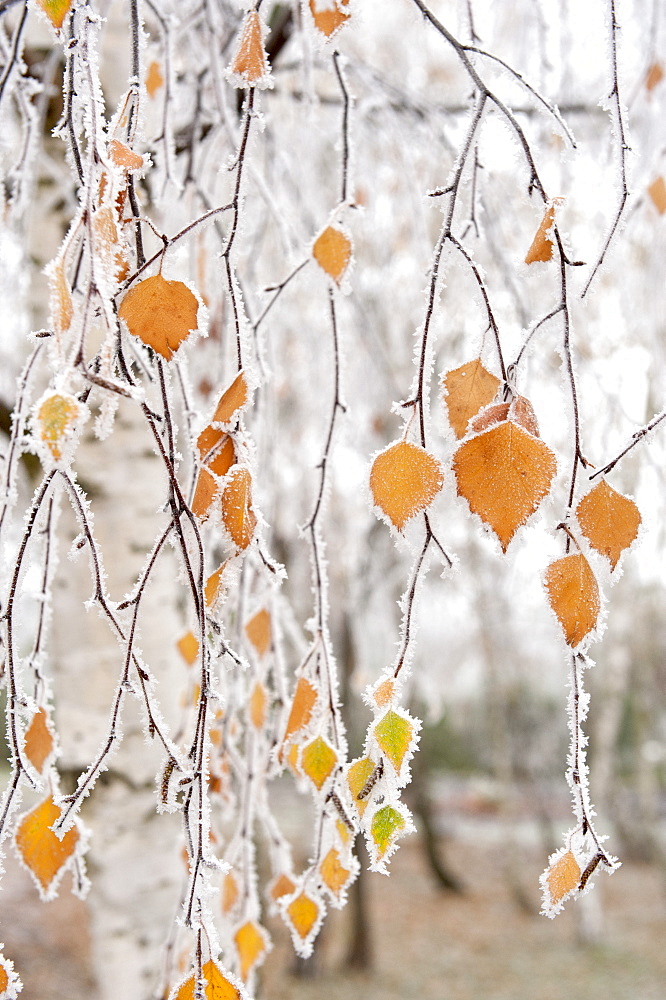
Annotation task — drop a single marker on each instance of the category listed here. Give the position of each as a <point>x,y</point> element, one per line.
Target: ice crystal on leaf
<point>404,481</point>
<point>161,313</point>
<point>574,596</point>
<point>609,521</point>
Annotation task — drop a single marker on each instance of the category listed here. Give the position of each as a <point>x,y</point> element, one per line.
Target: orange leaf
<point>282,886</point>
<point>519,409</point>
<point>358,773</point>
<point>231,401</point>
<point>62,307</point>
<point>467,390</point>
<point>56,10</point>
<point>329,18</point>
<point>333,872</point>
<point>574,596</point>
<point>404,480</point>
<point>205,491</point>
<point>318,761</point>
<point>258,631</point>
<point>250,62</point>
<point>161,313</point>
<point>303,913</point>
<point>57,417</point>
<point>125,157</point>
<point>257,705</point>
<point>609,521</point>
<point>305,697</point>
<point>251,944</point>
<point>216,450</point>
<point>542,244</point>
<point>332,251</point>
<point>217,985</point>
<point>43,853</point>
<point>384,692</point>
<point>188,647</point>
<point>214,585</point>
<point>238,516</point>
<point>504,473</point>
<point>563,877</point>
<point>654,76</point>
<point>4,977</point>
<point>38,740</point>
<point>657,192</point>
<point>154,78</point>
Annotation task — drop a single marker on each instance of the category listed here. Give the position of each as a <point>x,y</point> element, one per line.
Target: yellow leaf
<point>657,192</point>
<point>154,78</point>
<point>404,480</point>
<point>238,516</point>
<point>303,913</point>
<point>609,521</point>
<point>161,313</point>
<point>318,761</point>
<point>230,892</point>
<point>329,17</point>
<point>574,596</point>
<point>38,740</point>
<point>258,631</point>
<point>250,62</point>
<point>300,714</point>
<point>56,10</point>
<point>231,401</point>
<point>542,245</point>
<point>504,473</point>
<point>394,735</point>
<point>467,390</point>
<point>188,647</point>
<point>217,986</point>
<point>332,251</point>
<point>358,773</point>
<point>333,873</point>
<point>654,76</point>
<point>386,826</point>
<point>251,945</point>
<point>563,877</point>
<point>57,418</point>
<point>43,853</point>
<point>124,157</point>
<point>257,705</point>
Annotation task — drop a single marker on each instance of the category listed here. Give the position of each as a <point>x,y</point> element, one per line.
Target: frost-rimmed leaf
<point>609,520</point>
<point>573,593</point>
<point>404,480</point>
<point>303,915</point>
<point>329,16</point>
<point>39,740</point>
<point>318,760</point>
<point>504,473</point>
<point>300,713</point>
<point>332,250</point>
<point>384,827</point>
<point>466,391</point>
<point>161,313</point>
<point>56,11</point>
<point>395,733</point>
<point>234,398</point>
<point>43,853</point>
<point>249,66</point>
<point>10,982</point>
<point>57,421</point>
<point>335,876</point>
<point>358,775</point>
<point>560,881</point>
<point>218,985</point>
<point>541,249</point>
<point>238,515</point>
<point>252,945</point>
